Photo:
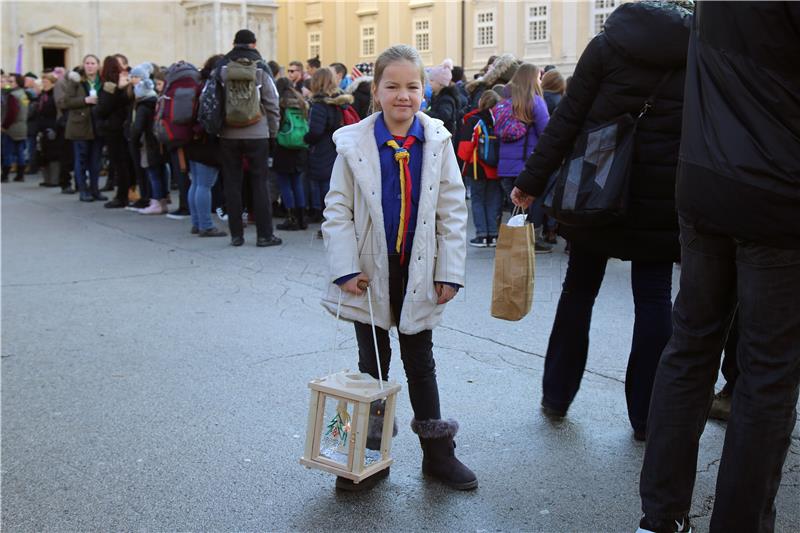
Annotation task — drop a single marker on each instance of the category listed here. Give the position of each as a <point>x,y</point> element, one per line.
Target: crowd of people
<point>701,160</point>
<point>74,126</point>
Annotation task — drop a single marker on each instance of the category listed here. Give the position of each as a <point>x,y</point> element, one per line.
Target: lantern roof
<point>356,386</point>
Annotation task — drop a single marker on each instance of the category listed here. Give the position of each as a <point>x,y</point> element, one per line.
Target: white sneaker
<point>222,215</point>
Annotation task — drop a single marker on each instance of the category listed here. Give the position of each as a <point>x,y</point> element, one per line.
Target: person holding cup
<point>80,97</point>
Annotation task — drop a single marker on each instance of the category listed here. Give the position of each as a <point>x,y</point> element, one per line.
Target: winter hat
<point>244,37</point>
<point>142,71</point>
<point>442,74</point>
<point>144,88</point>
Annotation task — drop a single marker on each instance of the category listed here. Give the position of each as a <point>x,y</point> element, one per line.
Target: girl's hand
<point>356,285</point>
<point>445,293</point>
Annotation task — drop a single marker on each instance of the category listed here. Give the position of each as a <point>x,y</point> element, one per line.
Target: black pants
<point>256,152</point>
<point>66,160</point>
<point>416,351</point>
<point>568,347</point>
<point>715,270</point>
<point>182,177</point>
<point>119,161</point>
<point>729,369</point>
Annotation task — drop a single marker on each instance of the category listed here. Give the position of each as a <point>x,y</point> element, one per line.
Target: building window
<point>484,28</point>
<point>314,43</point>
<point>367,41</point>
<point>538,24</point>
<point>422,35</point>
<point>601,9</point>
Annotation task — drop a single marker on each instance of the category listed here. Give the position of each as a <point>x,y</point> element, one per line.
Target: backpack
<point>487,144</point>
<point>242,94</point>
<point>349,115</point>
<point>211,112</point>
<point>508,127</point>
<point>294,127</point>
<point>176,108</point>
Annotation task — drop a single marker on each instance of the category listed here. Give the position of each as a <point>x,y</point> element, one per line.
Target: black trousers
<point>256,152</point>
<point>716,269</point>
<point>119,161</point>
<point>416,351</point>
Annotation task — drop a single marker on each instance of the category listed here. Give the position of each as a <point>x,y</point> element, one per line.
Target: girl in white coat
<point>395,218</point>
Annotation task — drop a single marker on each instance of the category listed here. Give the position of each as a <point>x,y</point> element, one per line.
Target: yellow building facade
<point>467,31</point>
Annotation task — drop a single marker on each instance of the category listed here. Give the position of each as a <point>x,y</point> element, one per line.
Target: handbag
<point>591,187</point>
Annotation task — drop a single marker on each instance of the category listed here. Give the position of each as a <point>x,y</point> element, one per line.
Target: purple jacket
<point>513,154</point>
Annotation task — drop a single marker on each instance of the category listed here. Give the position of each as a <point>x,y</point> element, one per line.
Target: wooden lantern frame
<point>361,390</point>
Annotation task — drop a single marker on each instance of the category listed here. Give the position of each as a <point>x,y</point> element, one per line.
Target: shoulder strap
<point>654,95</point>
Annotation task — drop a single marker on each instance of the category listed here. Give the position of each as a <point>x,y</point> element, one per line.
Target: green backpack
<point>242,94</point>
<point>293,129</point>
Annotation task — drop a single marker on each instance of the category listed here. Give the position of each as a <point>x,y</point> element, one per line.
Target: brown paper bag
<point>514,265</point>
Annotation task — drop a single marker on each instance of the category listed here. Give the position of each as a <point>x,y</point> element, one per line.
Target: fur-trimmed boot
<point>438,453</point>
<point>374,435</point>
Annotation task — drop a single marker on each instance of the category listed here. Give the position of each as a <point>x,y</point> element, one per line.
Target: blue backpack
<point>488,145</point>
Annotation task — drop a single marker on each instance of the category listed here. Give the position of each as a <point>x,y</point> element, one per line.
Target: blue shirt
<point>390,181</point>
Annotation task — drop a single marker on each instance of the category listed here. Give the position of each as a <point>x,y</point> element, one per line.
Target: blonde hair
<point>393,54</point>
<point>488,100</point>
<point>322,83</point>
<point>524,86</point>
<point>553,81</point>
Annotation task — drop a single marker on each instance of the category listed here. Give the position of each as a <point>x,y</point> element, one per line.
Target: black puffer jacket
<point>445,106</point>
<point>324,118</point>
<point>112,110</point>
<point>616,73</point>
<point>141,134</point>
<point>740,157</point>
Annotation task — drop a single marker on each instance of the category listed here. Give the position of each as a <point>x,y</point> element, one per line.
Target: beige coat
<point>354,233</point>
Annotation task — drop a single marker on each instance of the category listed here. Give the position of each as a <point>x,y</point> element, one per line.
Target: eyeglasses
<point>293,70</point>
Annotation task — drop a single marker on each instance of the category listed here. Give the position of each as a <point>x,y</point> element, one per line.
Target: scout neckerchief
<point>402,156</point>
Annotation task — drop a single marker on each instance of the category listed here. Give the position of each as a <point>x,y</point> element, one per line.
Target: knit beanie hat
<point>142,71</point>
<point>443,73</point>
<point>144,88</point>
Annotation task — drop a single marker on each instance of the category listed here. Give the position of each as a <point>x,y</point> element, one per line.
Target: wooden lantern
<point>338,421</point>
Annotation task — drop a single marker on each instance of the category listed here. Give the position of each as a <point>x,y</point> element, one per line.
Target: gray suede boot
<point>438,453</point>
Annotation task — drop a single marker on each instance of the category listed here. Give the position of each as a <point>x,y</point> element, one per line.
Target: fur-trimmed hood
<point>76,76</point>
<point>501,71</point>
<point>337,100</point>
<point>357,83</point>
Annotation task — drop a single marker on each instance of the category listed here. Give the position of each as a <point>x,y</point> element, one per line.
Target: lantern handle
<point>375,338</point>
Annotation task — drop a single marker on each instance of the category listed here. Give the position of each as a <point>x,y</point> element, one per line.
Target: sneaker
<point>542,247</point>
<point>721,406</point>
<point>664,526</point>
<point>550,237</point>
<point>114,204</point>
<point>222,215</point>
<point>272,240</point>
<point>195,230</point>
<point>237,241</point>
<point>479,242</point>
<point>492,241</point>
<point>138,204</point>
<point>178,214</point>
<point>552,412</point>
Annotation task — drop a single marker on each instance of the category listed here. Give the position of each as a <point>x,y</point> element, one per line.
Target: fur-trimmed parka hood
<point>357,84</point>
<point>501,71</point>
<point>337,100</point>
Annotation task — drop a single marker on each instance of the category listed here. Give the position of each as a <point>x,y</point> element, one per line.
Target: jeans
<point>13,151</point>
<point>569,340</point>
<point>87,158</point>
<point>199,197</point>
<point>716,270</point>
<point>256,152</point>
<point>319,189</point>
<point>416,351</point>
<point>158,182</point>
<point>31,152</point>
<point>292,193</point>
<point>487,201</point>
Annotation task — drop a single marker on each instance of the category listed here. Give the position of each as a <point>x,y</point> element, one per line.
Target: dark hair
<point>314,62</point>
<point>18,78</point>
<point>548,68</point>
<point>209,65</point>
<point>31,75</point>
<point>274,67</point>
<point>296,64</point>
<point>339,68</point>
<point>458,74</point>
<point>123,58</point>
<point>111,69</point>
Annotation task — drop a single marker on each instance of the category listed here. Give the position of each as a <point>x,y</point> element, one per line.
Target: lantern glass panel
<point>337,430</point>
<point>374,434</point>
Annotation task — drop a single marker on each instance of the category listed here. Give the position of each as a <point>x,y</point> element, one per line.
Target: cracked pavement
<point>152,380</point>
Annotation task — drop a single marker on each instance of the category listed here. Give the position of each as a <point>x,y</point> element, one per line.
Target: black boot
<point>315,216</point>
<point>375,425</point>
<point>6,174</point>
<point>290,224</point>
<point>20,173</point>
<point>300,216</point>
<point>438,453</point>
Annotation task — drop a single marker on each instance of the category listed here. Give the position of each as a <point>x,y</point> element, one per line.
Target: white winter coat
<point>354,233</point>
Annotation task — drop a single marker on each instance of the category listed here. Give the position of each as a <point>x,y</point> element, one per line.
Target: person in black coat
<point>325,117</point>
<point>113,103</point>
<point>361,89</point>
<point>444,101</point>
<point>642,44</point>
<point>738,200</point>
<point>47,130</point>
